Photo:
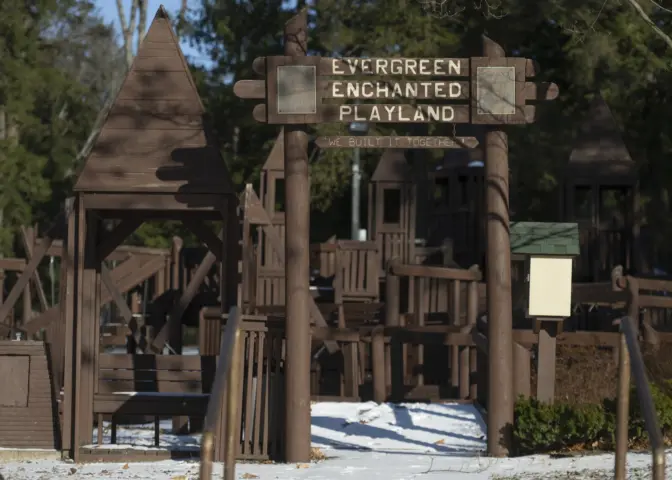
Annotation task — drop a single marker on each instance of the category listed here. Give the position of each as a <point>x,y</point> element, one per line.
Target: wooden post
<point>472,318</point>
<point>297,268</point>
<point>546,361</point>
<point>378,360</point>
<point>498,279</point>
<point>521,363</point>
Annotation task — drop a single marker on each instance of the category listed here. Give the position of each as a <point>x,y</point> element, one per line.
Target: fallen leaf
<point>179,477</point>
<point>440,442</point>
<point>302,465</point>
<point>249,475</point>
<point>125,467</point>
<point>73,471</point>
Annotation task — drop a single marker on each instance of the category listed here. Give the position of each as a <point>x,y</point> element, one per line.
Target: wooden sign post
<point>489,90</point>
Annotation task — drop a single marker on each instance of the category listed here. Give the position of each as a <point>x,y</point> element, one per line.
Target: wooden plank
<point>112,239</point>
<point>155,146</point>
<point>204,234</point>
<point>55,230</point>
<point>152,404</point>
<point>155,362</point>
<point>183,302</point>
<point>159,85</point>
<point>436,272</point>
<point>277,246</point>
<point>160,32</point>
<point>28,241</point>
<point>15,371</point>
<point>162,386</point>
<point>161,61</point>
<point>151,375</point>
<point>12,264</point>
<point>200,198</point>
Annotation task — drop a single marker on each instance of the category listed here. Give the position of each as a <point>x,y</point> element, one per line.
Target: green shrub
<point>539,427</point>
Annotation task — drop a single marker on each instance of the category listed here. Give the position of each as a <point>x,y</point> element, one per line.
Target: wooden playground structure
<point>400,317</point>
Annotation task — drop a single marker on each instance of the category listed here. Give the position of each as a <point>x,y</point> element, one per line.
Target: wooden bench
<point>158,404</point>
<point>175,386</point>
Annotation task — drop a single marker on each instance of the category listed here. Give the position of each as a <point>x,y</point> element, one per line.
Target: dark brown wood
<point>297,258</point>
<point>457,67</point>
<point>522,364</point>
<point>352,141</point>
<point>378,351</point>
<point>112,239</point>
<point>370,89</point>
<point>498,278</point>
<point>154,139</point>
<point>28,241</point>
<point>13,264</point>
<point>420,271</point>
<point>27,410</point>
<point>387,113</point>
<point>175,316</point>
<point>55,230</point>
<point>203,232</point>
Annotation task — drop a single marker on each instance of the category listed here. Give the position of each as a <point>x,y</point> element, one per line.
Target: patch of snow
<point>362,441</point>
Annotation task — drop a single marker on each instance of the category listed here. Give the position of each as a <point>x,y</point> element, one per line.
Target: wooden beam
<point>28,240</point>
<point>58,228</point>
<point>131,270</point>
<point>206,235</point>
<point>181,306</point>
<point>12,264</point>
<point>276,244</point>
<point>114,238</point>
<point>126,313</point>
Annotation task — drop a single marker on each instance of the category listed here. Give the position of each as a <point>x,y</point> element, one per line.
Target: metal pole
<point>232,397</point>
<point>498,267</point>
<point>356,182</point>
<point>297,268</point>
<point>622,408</point>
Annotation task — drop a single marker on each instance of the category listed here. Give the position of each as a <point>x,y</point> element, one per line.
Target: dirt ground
<point>590,374</point>
<point>583,374</point>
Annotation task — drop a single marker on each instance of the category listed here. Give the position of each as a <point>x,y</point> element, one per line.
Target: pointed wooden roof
<point>254,210</point>
<point>392,167</point>
<point>276,159</point>
<point>599,150</point>
<point>154,139</point>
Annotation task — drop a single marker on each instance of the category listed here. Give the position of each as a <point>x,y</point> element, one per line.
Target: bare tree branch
<point>666,38</point>
<point>142,21</point>
<point>128,28</point>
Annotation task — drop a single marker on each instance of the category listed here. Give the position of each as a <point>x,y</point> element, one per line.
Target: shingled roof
<point>154,139</point>
<point>599,150</point>
<point>544,238</point>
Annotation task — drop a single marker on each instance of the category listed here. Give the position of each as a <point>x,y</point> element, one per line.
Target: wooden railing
<point>631,363</point>
<point>447,296</point>
<point>217,426</point>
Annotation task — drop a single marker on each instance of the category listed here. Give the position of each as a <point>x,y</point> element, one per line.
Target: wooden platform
<point>28,417</point>
<point>131,454</point>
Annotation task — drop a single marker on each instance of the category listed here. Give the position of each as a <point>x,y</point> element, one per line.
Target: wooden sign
<point>354,141</point>
<point>298,90</point>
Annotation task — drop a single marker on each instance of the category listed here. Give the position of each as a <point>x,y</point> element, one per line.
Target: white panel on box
<point>550,287</point>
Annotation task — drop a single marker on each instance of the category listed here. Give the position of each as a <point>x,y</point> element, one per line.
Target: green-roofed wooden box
<point>545,238</point>
<point>549,248</point>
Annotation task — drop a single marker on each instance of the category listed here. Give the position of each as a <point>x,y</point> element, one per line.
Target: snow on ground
<point>362,441</point>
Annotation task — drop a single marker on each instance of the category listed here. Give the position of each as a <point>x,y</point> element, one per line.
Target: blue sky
<point>108,9</point>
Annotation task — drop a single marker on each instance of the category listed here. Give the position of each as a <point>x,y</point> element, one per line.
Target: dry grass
<point>317,455</point>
